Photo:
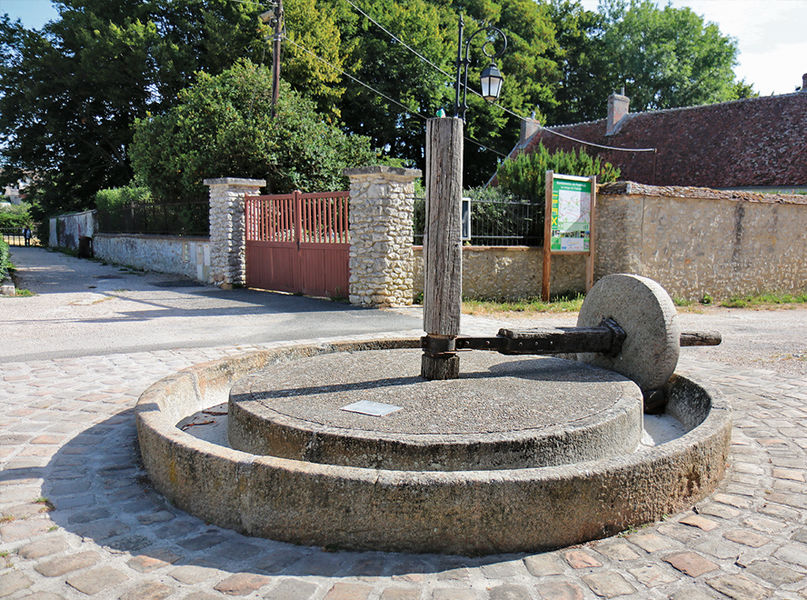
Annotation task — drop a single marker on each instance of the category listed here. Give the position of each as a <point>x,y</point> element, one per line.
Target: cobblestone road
<point>80,519</point>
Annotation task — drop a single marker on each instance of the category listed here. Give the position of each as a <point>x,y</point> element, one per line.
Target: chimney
<point>529,125</point>
<point>617,110</point>
<point>803,84</point>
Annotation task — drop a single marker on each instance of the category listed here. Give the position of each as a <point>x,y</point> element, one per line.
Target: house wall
<point>697,241</point>
<point>65,230</point>
<point>165,254</point>
<point>510,272</point>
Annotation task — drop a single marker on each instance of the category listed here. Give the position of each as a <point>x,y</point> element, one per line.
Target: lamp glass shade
<point>492,80</point>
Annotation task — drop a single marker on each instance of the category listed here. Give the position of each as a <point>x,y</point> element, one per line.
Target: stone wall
<point>165,254</point>
<point>381,207</point>
<point>510,272</point>
<point>698,241</point>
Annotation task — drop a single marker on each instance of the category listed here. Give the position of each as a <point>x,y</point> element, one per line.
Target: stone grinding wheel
<point>647,314</point>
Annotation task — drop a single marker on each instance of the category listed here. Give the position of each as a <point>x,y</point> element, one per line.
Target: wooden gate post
<point>442,248</point>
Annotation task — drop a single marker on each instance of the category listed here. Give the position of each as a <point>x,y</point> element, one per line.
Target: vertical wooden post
<point>547,238</point>
<point>592,229</point>
<point>442,246</point>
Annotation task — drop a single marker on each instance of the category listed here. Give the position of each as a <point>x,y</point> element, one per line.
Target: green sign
<point>571,214</point>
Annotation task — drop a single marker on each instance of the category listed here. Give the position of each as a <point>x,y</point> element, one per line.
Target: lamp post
<point>442,243</point>
<point>492,78</point>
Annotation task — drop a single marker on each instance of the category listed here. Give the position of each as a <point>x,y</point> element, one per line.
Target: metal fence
<point>13,236</point>
<point>495,223</point>
<point>176,218</point>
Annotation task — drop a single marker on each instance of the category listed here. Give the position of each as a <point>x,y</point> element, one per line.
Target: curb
<point>7,288</point>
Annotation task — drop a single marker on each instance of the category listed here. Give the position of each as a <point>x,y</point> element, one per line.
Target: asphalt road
<point>85,308</point>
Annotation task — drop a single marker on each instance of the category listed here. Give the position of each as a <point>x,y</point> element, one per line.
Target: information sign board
<point>571,214</point>
<point>568,226</point>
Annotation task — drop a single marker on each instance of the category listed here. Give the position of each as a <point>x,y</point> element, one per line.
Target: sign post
<point>569,222</point>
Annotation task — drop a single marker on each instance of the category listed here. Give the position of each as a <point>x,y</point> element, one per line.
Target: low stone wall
<point>698,241</point>
<point>510,272</point>
<point>165,254</point>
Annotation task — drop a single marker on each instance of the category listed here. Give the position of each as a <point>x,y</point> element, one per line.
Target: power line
<point>424,59</point>
<point>568,137</point>
<point>383,95</point>
<point>399,40</point>
<point>473,91</point>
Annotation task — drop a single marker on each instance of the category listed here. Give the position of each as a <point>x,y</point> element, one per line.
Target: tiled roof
<point>751,142</point>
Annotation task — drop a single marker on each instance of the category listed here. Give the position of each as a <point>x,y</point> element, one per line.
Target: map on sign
<point>571,214</point>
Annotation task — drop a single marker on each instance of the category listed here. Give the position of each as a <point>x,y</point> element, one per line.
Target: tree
<point>669,57</point>
<point>430,26</point>
<point>222,125</point>
<point>70,92</point>
<point>524,176</point>
<point>663,57</point>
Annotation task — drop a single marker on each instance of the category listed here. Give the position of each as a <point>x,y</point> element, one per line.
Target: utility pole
<point>275,18</point>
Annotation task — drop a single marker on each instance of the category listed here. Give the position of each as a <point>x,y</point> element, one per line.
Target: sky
<point>771,34</point>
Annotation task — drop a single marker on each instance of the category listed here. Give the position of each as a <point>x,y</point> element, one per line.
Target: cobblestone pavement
<point>79,518</point>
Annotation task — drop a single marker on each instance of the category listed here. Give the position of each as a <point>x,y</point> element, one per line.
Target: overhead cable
<point>382,94</point>
<point>473,91</point>
<point>568,137</point>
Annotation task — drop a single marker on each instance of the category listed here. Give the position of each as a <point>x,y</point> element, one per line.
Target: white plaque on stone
<point>374,409</point>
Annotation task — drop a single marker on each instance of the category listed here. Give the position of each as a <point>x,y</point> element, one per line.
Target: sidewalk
<point>85,308</point>
<point>68,442</point>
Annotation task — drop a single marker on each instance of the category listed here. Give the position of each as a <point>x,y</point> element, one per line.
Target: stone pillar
<point>228,228</point>
<point>382,201</point>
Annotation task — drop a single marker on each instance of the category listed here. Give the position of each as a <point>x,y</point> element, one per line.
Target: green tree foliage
<point>5,260</point>
<point>668,57</point>
<point>430,26</point>
<point>16,216</point>
<point>222,125</point>
<point>70,92</point>
<point>664,58</point>
<point>525,175</point>
<point>112,199</point>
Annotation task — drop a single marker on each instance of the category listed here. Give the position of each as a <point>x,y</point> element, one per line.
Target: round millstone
<point>646,313</point>
<point>502,413</point>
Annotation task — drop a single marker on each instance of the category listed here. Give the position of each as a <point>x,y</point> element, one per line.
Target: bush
<point>222,126</point>
<point>16,217</point>
<point>113,199</point>
<point>525,175</point>
<point>5,260</point>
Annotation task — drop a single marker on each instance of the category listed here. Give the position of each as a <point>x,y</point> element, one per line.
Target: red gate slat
<point>298,243</point>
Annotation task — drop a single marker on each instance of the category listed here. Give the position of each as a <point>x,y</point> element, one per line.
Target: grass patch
<point>559,304</point>
<point>23,293</point>
<point>47,504</point>
<point>764,300</point>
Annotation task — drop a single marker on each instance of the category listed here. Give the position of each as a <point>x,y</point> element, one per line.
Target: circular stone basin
<point>502,413</point>
<point>479,511</point>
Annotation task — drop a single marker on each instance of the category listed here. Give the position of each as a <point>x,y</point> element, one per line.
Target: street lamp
<point>491,77</point>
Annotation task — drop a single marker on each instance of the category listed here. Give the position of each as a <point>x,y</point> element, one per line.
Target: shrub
<point>525,175</point>
<point>222,126</point>
<point>16,217</point>
<point>112,199</point>
<point>5,260</point>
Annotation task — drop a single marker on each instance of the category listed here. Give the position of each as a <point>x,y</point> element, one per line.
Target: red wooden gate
<point>298,243</point>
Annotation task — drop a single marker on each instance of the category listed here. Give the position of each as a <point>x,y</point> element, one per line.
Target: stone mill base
<point>481,511</point>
